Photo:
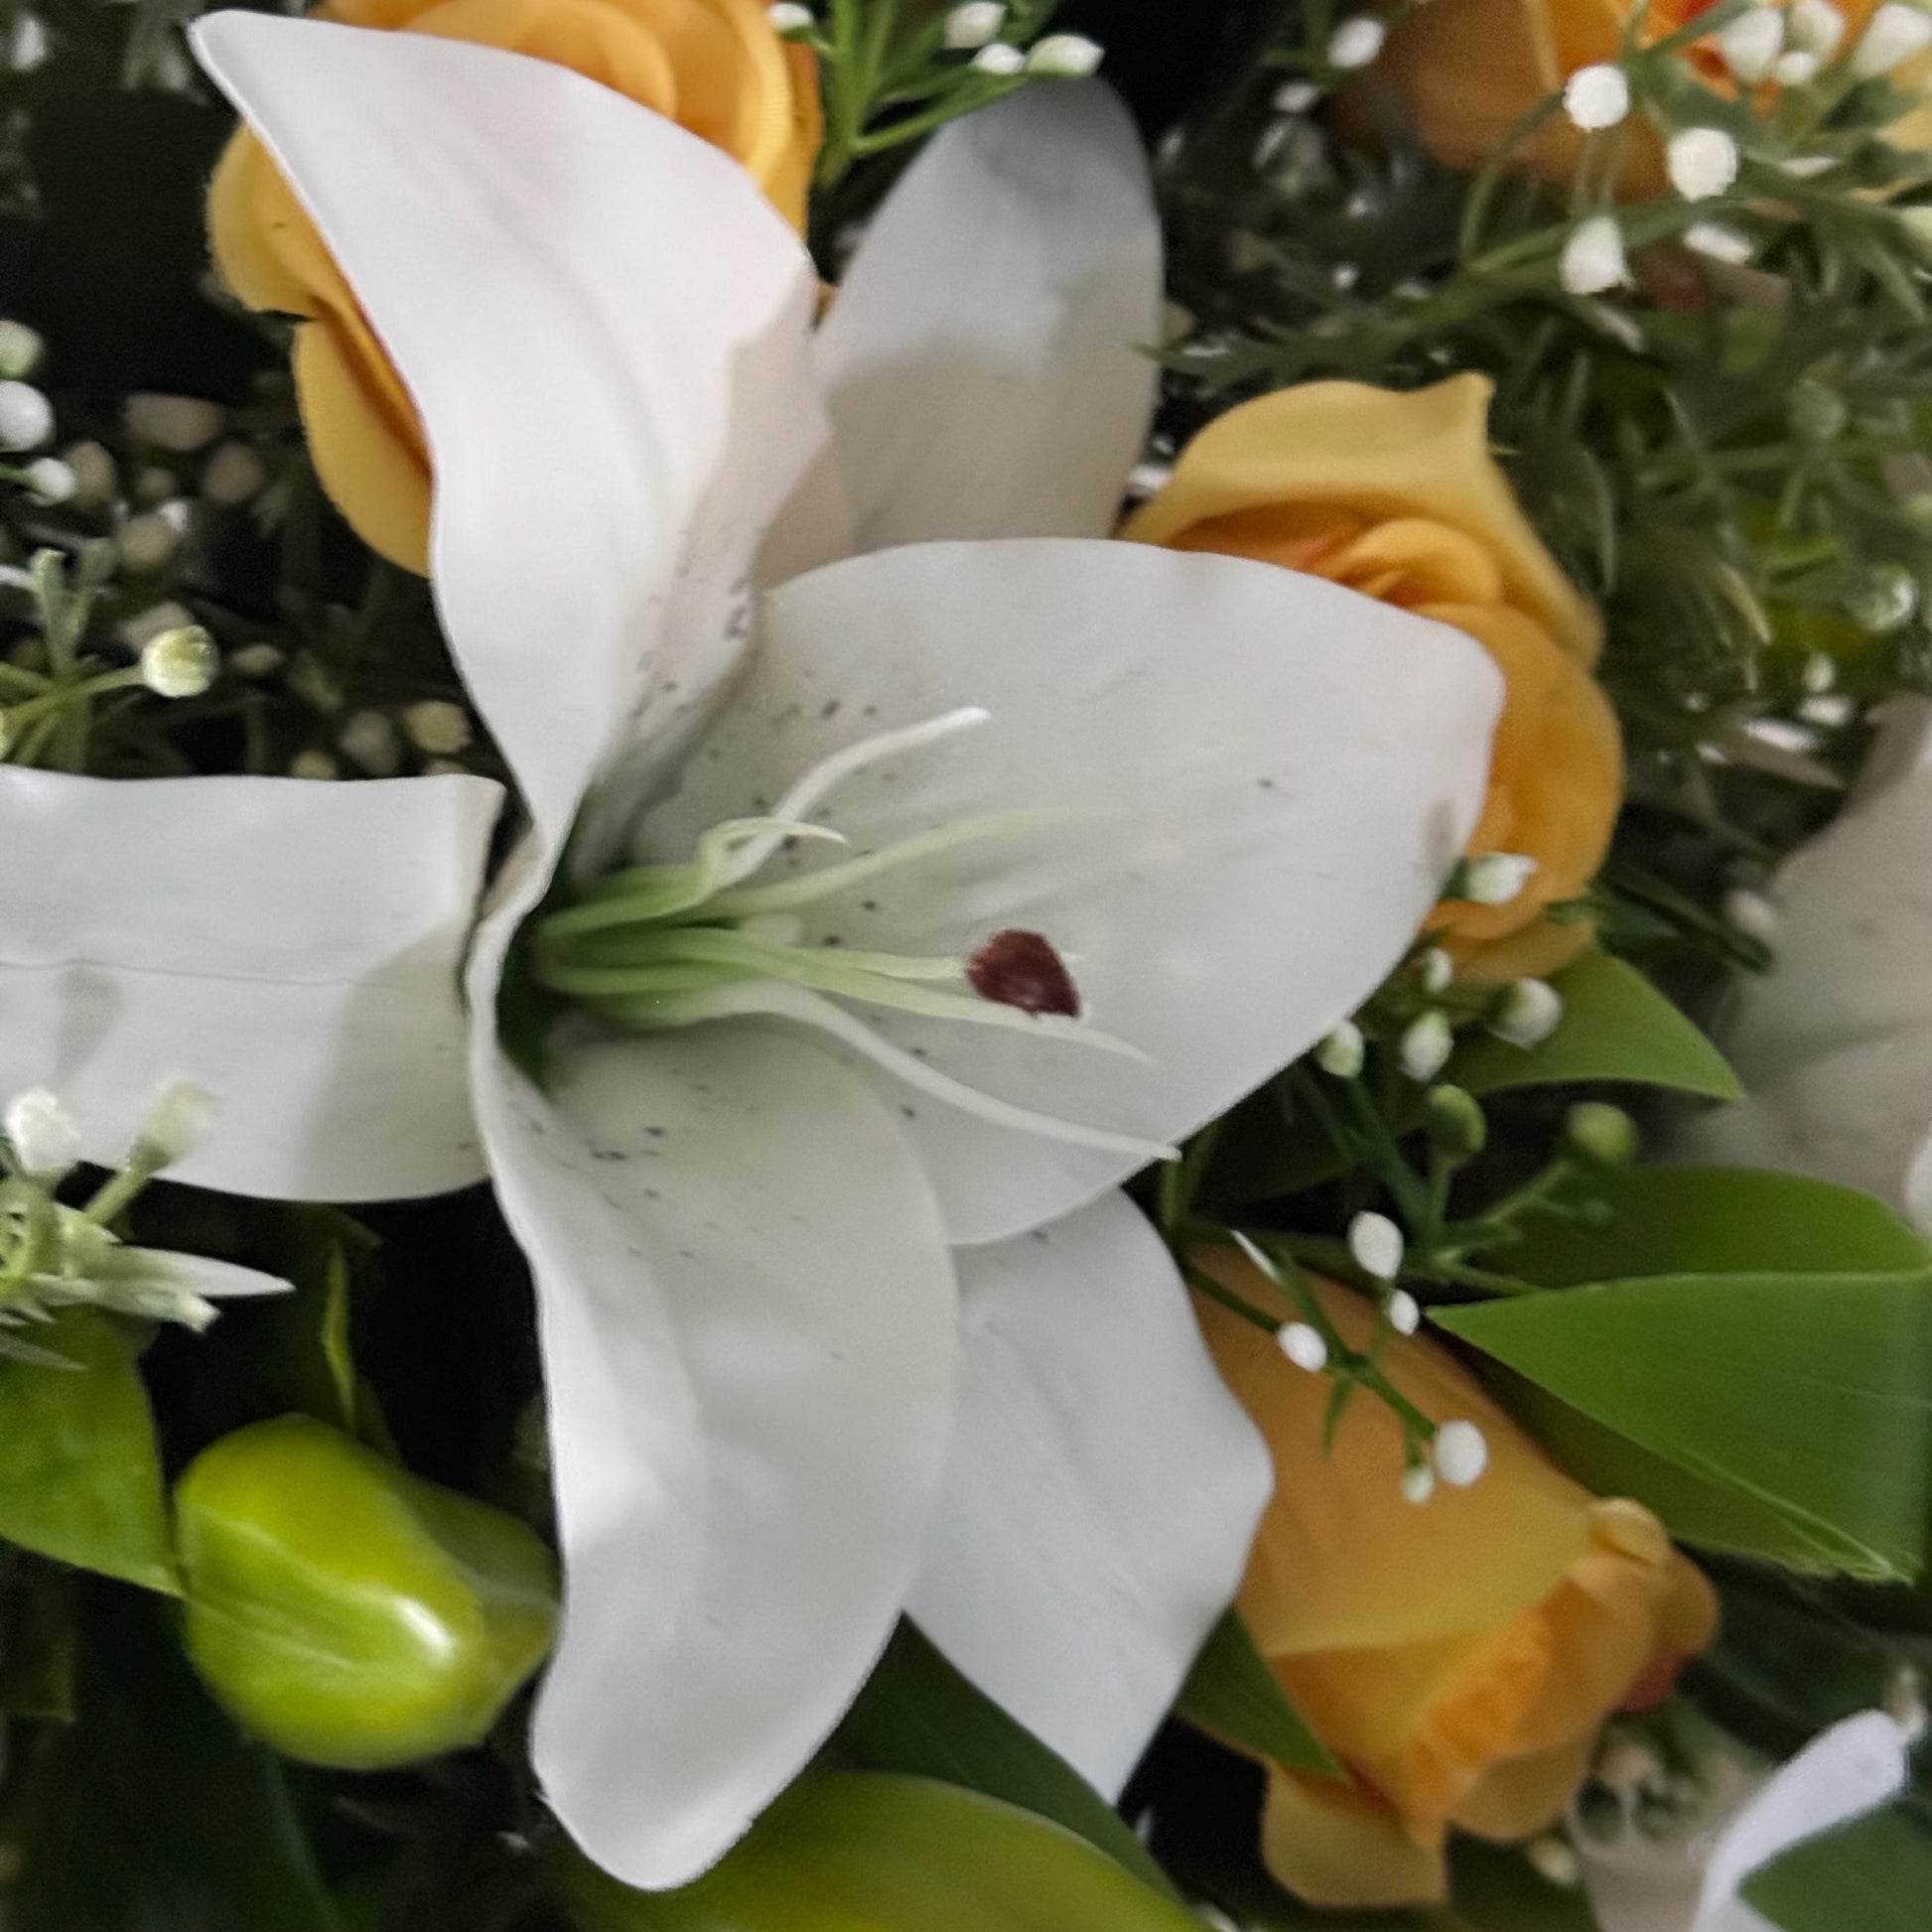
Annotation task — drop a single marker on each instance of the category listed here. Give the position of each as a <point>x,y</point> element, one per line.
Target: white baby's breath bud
<point>1897,33</point>
<point>178,423</point>
<point>1295,97</point>
<point>437,726</point>
<point>50,480</point>
<point>1752,41</point>
<point>27,44</point>
<point>26,416</point>
<point>1795,69</point>
<point>1819,673</point>
<point>1528,1012</point>
<point>1342,1053</point>
<point>1597,96</point>
<point>180,1118</point>
<point>256,662</point>
<point>1592,259</point>
<point>148,542</point>
<point>1702,160</point>
<point>179,663</point>
<point>313,764</point>
<point>1376,1243</point>
<point>1719,243</point>
<point>155,484</point>
<point>1066,56</point>
<point>974,24</point>
<point>1355,43</point>
<point>788,19</point>
<point>234,476</point>
<point>1418,1483</point>
<point>1302,1346</point>
<point>1000,60</point>
<point>1496,878</point>
<point>1405,1313</point>
<point>1461,1453</point>
<point>96,476</point>
<point>370,741</point>
<point>1883,597</point>
<point>1816,26</point>
<point>21,349</point>
<point>1752,914</point>
<point>44,1135</point>
<point>1552,1859</point>
<point>1427,1044</point>
<point>1436,969</point>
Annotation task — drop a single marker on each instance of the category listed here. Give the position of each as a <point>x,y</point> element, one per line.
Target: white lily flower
<point>839,1314</point>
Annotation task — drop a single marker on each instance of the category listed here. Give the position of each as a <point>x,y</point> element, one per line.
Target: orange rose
<point>1397,496</point>
<point>715,67</point>
<point>1458,1656</point>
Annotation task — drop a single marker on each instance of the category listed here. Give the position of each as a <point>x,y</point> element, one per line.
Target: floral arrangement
<point>963,966</point>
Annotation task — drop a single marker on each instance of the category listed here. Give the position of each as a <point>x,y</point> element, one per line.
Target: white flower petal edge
<point>1272,776</point>
<point>292,947</point>
<point>1835,1044</point>
<point>1102,1488</point>
<point>987,355</point>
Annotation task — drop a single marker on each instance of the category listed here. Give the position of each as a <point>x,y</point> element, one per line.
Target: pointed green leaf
<point>1874,1874</point>
<point>1232,1695</point>
<point>79,1472</point>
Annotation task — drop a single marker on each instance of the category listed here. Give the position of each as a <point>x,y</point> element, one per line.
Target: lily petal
<point>292,947</point>
<point>203,1275</point>
<point>748,1326</point>
<point>987,356</point>
<point>1271,775</point>
<point>1102,1488</point>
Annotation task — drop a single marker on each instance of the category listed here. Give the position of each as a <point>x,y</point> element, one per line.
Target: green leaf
<point>858,1851</point>
<point>1874,1874</point>
<point>1232,1695</point>
<point>79,1472</point>
<point>1615,1026</point>
<point>919,1715</point>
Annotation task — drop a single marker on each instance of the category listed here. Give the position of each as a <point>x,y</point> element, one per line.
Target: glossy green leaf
<point>1615,1027</point>
<point>79,1472</point>
<point>1873,1875</point>
<point>919,1715</point>
<point>861,1851</point>
<point>1232,1695</point>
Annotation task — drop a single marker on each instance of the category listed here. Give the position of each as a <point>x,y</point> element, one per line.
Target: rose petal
<point>987,355</point>
<point>294,948</point>
<point>1101,1491</point>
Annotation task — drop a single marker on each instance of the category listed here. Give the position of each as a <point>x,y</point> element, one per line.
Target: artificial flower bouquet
<point>964,967</point>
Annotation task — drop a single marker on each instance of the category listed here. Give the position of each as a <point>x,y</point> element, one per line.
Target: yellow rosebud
<point>1459,1655</point>
<point>715,67</point>
<point>1397,496</point>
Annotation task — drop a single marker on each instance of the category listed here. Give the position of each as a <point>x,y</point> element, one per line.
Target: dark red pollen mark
<point>1021,968</point>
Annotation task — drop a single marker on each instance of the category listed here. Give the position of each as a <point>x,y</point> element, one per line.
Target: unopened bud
<point>1593,260</point>
<point>1066,56</point>
<point>974,24</point>
<point>1418,1483</point>
<point>368,739</point>
<point>1751,43</point>
<point>49,480</point>
<point>1427,1044</point>
<point>234,476</point>
<point>1436,969</point>
<point>1528,1012</point>
<point>96,475</point>
<point>180,1118</point>
<point>1376,1243</point>
<point>313,764</point>
<point>1343,1051</point>
<point>26,416</point>
<point>1493,878</point>
<point>1897,33</point>
<point>1405,1312</point>
<point>1455,1122</point>
<point>1356,43</point>
<point>1600,1133</point>
<point>148,541</point>
<point>1460,1453</point>
<point>178,423</point>
<point>1816,412</point>
<point>789,20</point>
<point>1882,600</point>
<point>1303,1346</point>
<point>21,349</point>
<point>436,727</point>
<point>1001,60</point>
<point>44,1135</point>
<point>179,663</point>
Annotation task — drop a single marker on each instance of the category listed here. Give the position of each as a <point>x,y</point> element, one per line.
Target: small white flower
<point>437,726</point>
<point>1721,242</point>
<point>26,416</point>
<point>1816,26</point>
<point>179,663</point>
<point>1593,257</point>
<point>313,764</point>
<point>180,1118</point>
<point>1597,96</point>
<point>1461,1453</point>
<point>1750,914</point>
<point>50,480</point>
<point>1554,1862</point>
<point>1897,32</point>
<point>788,19</point>
<point>44,1135</point>
<point>96,476</point>
<point>370,741</point>
<point>1000,60</point>
<point>1355,43</point>
<point>1436,970</point>
<point>1496,878</point>
<point>1405,1313</point>
<point>1751,43</point>
<point>1343,1051</point>
<point>1702,160</point>
<point>21,349</point>
<point>1066,56</point>
<point>1418,1483</point>
<point>1795,69</point>
<point>147,542</point>
<point>1427,1044</point>
<point>1295,97</point>
<point>234,476</point>
<point>1376,1243</point>
<point>1527,1014</point>
<point>974,23</point>
<point>1302,1346</point>
<point>178,423</point>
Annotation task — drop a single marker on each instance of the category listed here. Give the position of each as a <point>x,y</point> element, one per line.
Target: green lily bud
<point>349,1612</point>
<point>1455,1122</point>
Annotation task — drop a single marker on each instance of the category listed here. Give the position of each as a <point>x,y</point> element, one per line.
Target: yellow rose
<point>715,67</point>
<point>1458,1656</point>
<point>1397,496</point>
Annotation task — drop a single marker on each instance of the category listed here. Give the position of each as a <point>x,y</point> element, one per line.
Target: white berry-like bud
<point>234,476</point>
<point>788,19</point>
<point>1427,1044</point>
<point>178,423</point>
<point>437,726</point>
<point>1896,35</point>
<point>1436,969</point>
<point>1795,69</point>
<point>1528,1012</point>
<point>50,480</point>
<point>1597,96</point>
<point>1343,1051</point>
<point>1295,97</point>
<point>1592,259</point>
<point>147,542</point>
<point>180,1118</point>
<point>1376,1243</point>
<point>1405,1313</point>
<point>1702,162</point>
<point>96,476</point>
<point>1461,1453</point>
<point>26,416</point>
<point>1303,1346</point>
<point>44,1135</point>
<point>370,739</point>
<point>179,663</point>
<point>1066,56</point>
<point>1418,1483</point>
<point>155,484</point>
<point>1721,242</point>
<point>1816,26</point>
<point>1752,41</point>
<point>21,349</point>
<point>1355,43</point>
<point>1554,1862</point>
<point>974,24</point>
<point>1000,60</point>
<point>1750,914</point>
<point>1496,878</point>
<point>256,660</point>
